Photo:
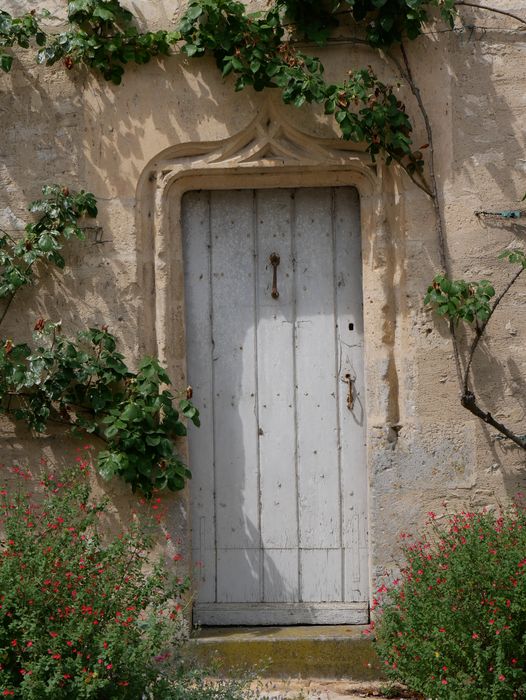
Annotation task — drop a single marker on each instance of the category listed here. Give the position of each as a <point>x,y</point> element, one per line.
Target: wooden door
<point>279,478</point>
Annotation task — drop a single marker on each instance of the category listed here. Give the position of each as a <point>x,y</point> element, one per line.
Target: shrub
<point>454,625</point>
<point>81,615</point>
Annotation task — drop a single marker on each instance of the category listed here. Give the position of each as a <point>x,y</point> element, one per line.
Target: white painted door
<point>279,479</point>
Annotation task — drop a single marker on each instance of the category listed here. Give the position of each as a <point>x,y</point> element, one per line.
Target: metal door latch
<point>274,261</point>
<point>347,379</point>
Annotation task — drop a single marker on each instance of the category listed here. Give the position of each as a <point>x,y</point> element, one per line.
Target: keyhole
<point>351,326</point>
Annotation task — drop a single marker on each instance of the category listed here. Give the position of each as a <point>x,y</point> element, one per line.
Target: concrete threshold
<point>283,652</point>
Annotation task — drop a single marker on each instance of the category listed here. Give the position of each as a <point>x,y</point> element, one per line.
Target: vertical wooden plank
<point>280,570</point>
<point>321,582</point>
<point>238,575</point>
<point>235,408</point>
<point>196,251</point>
<point>349,310</point>
<point>316,403</point>
<point>277,443</point>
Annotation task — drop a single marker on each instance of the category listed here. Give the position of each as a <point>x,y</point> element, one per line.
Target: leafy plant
<point>103,37</point>
<point>470,302</point>
<point>514,256</point>
<point>386,21</point>
<point>80,615</point>
<point>18,31</point>
<point>257,49</point>
<point>459,300</point>
<point>454,625</point>
<point>253,48</point>
<point>60,211</point>
<point>84,383</point>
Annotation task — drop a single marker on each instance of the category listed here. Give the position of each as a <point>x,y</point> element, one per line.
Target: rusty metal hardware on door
<point>274,260</point>
<point>347,379</point>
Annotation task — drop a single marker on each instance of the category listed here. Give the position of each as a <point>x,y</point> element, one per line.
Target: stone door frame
<point>269,153</point>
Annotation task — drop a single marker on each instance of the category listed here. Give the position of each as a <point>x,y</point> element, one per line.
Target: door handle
<point>347,379</point>
<point>274,260</point>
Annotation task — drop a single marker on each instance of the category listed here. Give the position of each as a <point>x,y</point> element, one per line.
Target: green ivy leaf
<point>6,62</point>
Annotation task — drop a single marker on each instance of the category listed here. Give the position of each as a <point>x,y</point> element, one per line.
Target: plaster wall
<point>423,447</point>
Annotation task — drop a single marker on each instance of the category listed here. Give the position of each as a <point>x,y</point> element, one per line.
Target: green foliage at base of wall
<point>453,625</point>
<point>81,616</point>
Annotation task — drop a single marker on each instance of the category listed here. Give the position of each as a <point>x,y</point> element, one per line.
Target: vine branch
<point>480,329</point>
<point>496,10</point>
<point>469,401</point>
<point>407,74</point>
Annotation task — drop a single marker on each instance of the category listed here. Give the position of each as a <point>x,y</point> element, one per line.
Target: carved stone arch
<point>269,152</point>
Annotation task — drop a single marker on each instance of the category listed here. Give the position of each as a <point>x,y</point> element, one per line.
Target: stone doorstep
<point>283,652</point>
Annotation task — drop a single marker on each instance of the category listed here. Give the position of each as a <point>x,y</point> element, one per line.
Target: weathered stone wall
<point>423,447</point>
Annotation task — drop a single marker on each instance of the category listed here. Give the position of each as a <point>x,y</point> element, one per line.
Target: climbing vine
<point>254,49</point>
<point>257,49</point>
<point>385,21</point>
<point>83,382</point>
<point>470,302</point>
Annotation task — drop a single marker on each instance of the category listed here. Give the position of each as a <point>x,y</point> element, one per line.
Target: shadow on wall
<point>488,109</point>
<point>490,145</point>
<point>480,149</point>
